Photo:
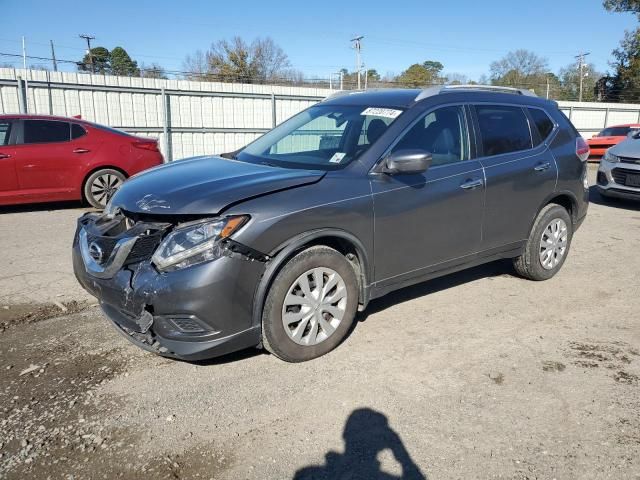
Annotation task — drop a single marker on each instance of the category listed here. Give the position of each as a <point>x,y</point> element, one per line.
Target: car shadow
<point>43,207</point>
<point>597,199</point>
<point>493,269</point>
<point>366,435</point>
<point>233,357</point>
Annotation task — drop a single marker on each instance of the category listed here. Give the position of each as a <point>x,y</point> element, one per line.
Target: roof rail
<point>431,91</point>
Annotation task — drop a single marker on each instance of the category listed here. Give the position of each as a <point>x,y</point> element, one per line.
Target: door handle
<point>541,167</point>
<point>81,150</point>
<point>4,155</point>
<point>469,184</point>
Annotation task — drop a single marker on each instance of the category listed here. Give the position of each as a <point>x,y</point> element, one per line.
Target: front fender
<point>283,252</point>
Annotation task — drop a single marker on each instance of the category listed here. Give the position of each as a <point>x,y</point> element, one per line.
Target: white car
<point>619,170</point>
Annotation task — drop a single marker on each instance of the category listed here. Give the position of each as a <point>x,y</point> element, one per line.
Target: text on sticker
<point>382,112</point>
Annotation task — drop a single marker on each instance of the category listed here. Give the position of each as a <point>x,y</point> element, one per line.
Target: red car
<point>46,158</point>
<point>609,137</point>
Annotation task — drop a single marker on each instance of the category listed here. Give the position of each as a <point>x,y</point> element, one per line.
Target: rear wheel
<point>310,306</point>
<point>101,186</point>
<point>548,244</point>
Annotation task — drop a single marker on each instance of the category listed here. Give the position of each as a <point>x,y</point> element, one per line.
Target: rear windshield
<point>109,129</point>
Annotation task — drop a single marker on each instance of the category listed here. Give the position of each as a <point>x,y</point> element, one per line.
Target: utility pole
<point>366,77</point>
<point>581,66</point>
<point>88,38</point>
<point>357,45</point>
<point>53,57</point>
<point>24,53</point>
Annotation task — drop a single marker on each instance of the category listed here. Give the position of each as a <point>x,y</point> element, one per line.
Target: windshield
<point>616,132</point>
<point>324,137</point>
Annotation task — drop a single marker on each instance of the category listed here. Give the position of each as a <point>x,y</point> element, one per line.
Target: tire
<point>319,328</point>
<point>101,185</point>
<point>540,263</point>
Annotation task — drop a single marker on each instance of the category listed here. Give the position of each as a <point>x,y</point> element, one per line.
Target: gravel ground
<point>479,374</point>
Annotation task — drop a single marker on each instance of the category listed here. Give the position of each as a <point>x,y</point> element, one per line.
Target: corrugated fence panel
<point>206,118</point>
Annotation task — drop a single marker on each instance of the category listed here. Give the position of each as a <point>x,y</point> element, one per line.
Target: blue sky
<point>464,35</point>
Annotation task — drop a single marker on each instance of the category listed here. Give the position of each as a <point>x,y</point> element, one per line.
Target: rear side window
<point>77,131</point>
<point>542,122</point>
<point>46,131</point>
<point>5,132</point>
<point>503,129</point>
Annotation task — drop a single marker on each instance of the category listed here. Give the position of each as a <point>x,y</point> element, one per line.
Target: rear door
<point>45,159</point>
<point>8,177</point>
<point>520,171</point>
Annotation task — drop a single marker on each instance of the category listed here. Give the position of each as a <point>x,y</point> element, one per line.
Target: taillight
<point>151,146</point>
<point>582,149</point>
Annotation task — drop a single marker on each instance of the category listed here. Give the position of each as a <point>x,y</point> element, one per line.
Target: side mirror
<point>407,161</point>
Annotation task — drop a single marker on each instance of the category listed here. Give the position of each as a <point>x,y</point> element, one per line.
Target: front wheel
<point>548,245</point>
<point>310,306</point>
<point>101,186</point>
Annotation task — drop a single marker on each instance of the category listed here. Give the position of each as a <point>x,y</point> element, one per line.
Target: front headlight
<point>195,243</point>
<point>610,157</point>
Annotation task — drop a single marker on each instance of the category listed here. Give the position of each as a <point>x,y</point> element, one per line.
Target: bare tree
<point>153,71</point>
<point>269,59</point>
<point>455,78</point>
<point>236,60</point>
<point>519,68</point>
<point>196,66</point>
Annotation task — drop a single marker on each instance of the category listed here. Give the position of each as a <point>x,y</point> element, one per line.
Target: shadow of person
<point>366,434</point>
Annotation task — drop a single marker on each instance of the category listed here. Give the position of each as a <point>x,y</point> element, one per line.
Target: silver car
<point>619,170</point>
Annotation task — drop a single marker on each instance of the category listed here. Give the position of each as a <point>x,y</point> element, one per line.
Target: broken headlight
<point>194,243</point>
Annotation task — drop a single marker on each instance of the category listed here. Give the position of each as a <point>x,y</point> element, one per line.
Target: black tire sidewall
<point>275,338</point>
<point>86,189</point>
<point>533,251</point>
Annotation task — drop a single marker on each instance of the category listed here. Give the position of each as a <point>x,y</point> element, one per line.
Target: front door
<point>433,220</point>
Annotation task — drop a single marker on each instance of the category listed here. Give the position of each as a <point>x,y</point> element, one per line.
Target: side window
<point>77,131</point>
<point>46,131</point>
<point>504,129</point>
<point>5,132</point>
<point>542,122</point>
<point>442,132</point>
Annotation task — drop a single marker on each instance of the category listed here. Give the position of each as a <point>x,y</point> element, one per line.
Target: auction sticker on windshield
<point>382,112</point>
<point>337,157</point>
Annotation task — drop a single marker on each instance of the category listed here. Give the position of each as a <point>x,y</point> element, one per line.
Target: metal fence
<point>189,118</point>
<point>200,118</point>
<point>589,118</point>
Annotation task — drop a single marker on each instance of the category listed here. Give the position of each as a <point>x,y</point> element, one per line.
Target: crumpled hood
<point>627,148</point>
<point>205,185</point>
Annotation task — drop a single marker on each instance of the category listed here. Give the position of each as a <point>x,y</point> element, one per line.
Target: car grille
<point>142,250</point>
<point>144,247</point>
<point>630,160</point>
<point>620,174</point>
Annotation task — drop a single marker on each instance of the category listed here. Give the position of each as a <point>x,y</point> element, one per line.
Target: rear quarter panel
<point>570,169</point>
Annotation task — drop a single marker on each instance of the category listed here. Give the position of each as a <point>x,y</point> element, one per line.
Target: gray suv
<point>277,245</point>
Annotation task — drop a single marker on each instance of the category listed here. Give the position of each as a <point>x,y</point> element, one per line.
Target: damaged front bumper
<point>195,313</point>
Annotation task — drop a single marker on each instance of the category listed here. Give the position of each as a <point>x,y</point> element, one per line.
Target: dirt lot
<point>476,375</point>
